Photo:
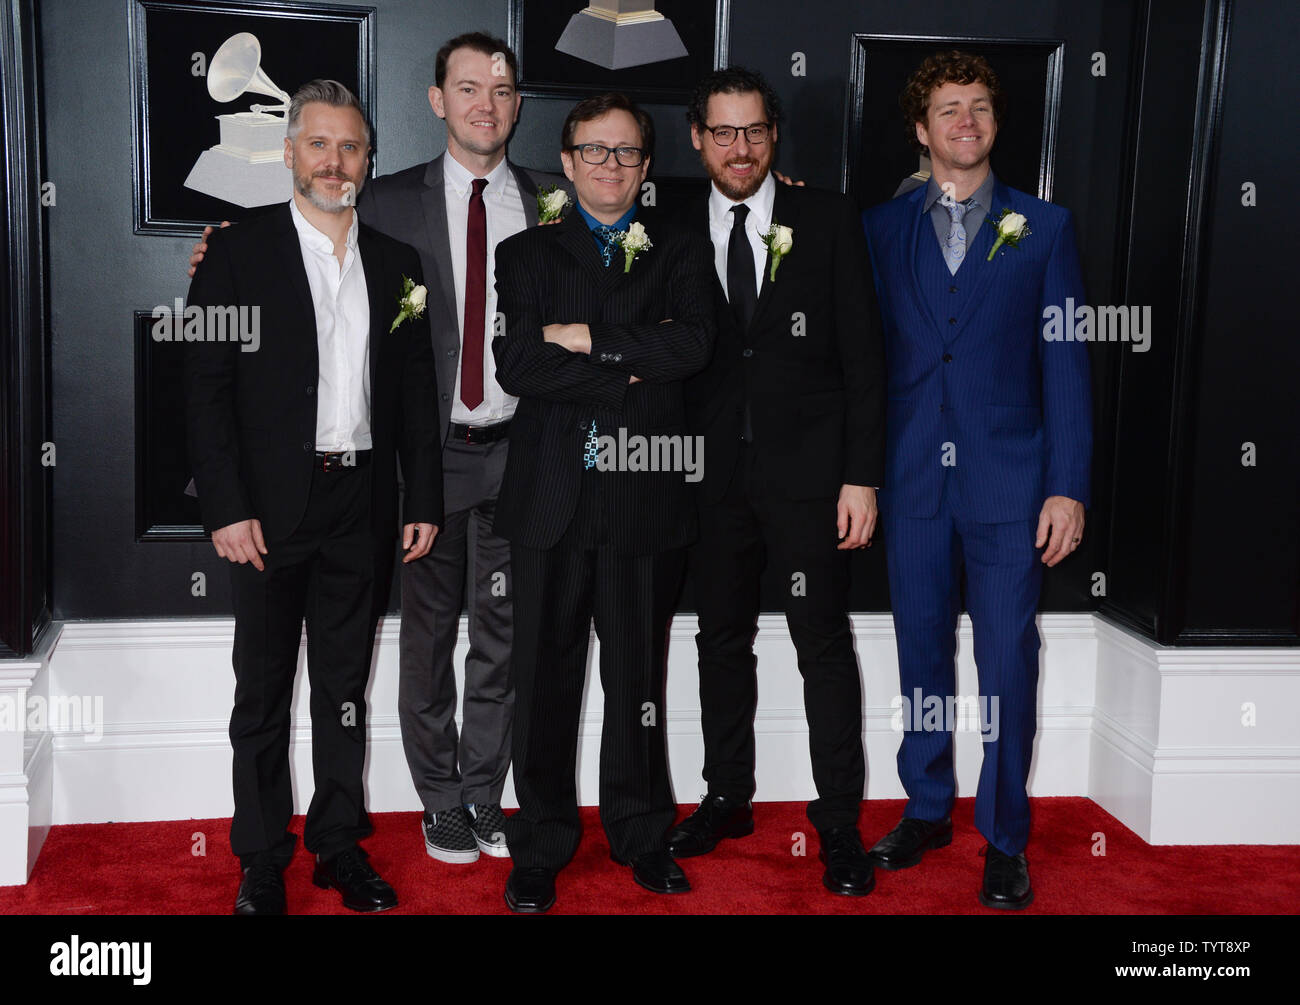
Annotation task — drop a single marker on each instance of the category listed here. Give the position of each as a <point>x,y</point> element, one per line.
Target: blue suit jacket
<point>1016,408</point>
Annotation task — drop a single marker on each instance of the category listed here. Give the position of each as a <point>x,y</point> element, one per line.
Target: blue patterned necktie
<point>606,235</point>
<point>954,249</point>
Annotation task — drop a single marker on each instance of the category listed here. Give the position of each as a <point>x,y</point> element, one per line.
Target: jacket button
<point>952,321</point>
<point>451,352</point>
<point>947,357</point>
<point>747,353</point>
<point>310,390</point>
<point>618,357</point>
<point>604,357</point>
<point>446,397</point>
<point>952,289</point>
<point>306,445</point>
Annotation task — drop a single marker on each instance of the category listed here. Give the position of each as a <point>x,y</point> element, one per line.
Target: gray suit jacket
<point>411,206</point>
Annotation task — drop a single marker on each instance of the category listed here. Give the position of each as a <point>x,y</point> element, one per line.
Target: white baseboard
<point>1197,746</point>
<point>1152,734</point>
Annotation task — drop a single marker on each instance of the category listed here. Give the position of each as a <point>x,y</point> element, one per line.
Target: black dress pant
<point>558,592</point>
<point>326,573</point>
<point>744,533</point>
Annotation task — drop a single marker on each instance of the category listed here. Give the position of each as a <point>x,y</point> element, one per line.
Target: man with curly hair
<point>988,445</point>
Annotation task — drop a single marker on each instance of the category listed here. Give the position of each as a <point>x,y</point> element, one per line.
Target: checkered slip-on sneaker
<point>448,837</point>
<point>489,826</point>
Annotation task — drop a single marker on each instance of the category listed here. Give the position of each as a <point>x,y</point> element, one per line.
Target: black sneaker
<point>448,837</point>
<point>489,826</point>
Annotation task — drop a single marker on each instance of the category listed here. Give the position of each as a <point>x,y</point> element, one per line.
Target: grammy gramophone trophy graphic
<point>247,166</point>
<point>617,34</point>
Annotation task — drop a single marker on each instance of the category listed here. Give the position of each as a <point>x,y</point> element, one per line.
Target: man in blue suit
<point>988,444</point>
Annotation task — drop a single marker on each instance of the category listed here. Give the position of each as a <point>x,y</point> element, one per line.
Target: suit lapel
<point>527,193</point>
<point>575,238</point>
<point>978,248</point>
<point>291,253</point>
<point>378,295</point>
<point>434,201</point>
<point>783,213</point>
<point>919,222</point>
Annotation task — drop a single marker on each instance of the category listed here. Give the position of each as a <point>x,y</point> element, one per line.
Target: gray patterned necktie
<point>954,249</point>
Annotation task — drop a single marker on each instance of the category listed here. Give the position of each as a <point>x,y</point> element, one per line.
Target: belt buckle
<point>331,461</point>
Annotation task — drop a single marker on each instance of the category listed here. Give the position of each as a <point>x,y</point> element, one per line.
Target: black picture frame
<point>877,155</point>
<point>300,41</point>
<point>535,26</point>
<point>163,510</point>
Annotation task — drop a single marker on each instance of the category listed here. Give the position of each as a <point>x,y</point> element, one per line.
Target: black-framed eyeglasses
<point>756,133</point>
<point>596,153</point>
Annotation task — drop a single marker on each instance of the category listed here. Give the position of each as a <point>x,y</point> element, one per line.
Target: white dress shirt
<point>756,226</point>
<point>342,304</point>
<point>504,207</point>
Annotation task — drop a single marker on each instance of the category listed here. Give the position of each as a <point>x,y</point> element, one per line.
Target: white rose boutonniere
<point>1011,228</point>
<point>552,201</point>
<point>778,240</point>
<point>411,302</point>
<point>633,241</point>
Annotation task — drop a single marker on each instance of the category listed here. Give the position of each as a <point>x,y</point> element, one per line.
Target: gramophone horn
<point>236,68</point>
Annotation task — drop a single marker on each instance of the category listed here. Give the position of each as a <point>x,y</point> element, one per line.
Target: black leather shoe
<point>349,872</point>
<point>261,891</point>
<point>848,869</point>
<point>906,844</point>
<point>658,873</point>
<point>716,817</point>
<point>1006,881</point>
<point>530,889</point>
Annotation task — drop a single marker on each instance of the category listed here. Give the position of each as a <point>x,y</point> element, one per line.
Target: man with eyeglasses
<point>791,408</point>
<point>601,330</point>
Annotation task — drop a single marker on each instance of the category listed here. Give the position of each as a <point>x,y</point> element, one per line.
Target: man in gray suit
<point>454,210</point>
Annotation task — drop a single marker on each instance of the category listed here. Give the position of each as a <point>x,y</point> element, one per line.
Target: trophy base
<point>233,179</point>
<point>617,46</point>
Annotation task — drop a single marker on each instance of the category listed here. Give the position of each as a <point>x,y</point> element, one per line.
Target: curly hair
<point>732,80</point>
<point>954,67</point>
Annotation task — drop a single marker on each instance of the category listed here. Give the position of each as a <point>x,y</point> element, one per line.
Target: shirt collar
<point>760,204</point>
<point>620,224</point>
<point>314,238</point>
<point>983,195</point>
<point>460,178</point>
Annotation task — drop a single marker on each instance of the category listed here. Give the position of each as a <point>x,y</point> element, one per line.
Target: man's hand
<point>784,180</point>
<point>575,338</point>
<point>426,533</point>
<point>1060,527</point>
<point>200,249</point>
<point>241,542</point>
<point>855,516</point>
<point>633,379</point>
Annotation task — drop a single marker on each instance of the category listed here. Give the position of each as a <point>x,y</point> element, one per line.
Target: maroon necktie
<point>471,353</point>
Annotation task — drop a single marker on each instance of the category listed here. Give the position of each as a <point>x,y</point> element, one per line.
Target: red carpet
<point>148,868</point>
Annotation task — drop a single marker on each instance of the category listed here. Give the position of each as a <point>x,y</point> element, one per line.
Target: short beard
<point>739,192</point>
<point>326,204</point>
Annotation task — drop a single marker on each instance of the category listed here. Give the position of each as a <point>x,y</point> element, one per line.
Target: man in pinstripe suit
<point>987,456</point>
<point>599,337</point>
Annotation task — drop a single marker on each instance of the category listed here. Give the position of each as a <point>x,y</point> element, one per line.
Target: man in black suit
<point>599,337</point>
<point>454,210</point>
<point>294,448</point>
<point>792,410</point>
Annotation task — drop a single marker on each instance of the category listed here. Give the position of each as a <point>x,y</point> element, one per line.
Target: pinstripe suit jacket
<point>411,206</point>
<point>555,275</point>
<point>1016,408</point>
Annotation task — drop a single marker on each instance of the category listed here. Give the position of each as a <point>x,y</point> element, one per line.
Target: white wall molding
<point>1153,734</point>
<point>26,763</point>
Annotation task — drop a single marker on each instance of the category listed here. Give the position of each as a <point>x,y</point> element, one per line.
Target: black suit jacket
<point>411,206</point>
<point>251,416</point>
<point>817,399</point>
<point>555,274</point>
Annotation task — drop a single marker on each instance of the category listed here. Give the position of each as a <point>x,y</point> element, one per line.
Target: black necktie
<point>741,290</point>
